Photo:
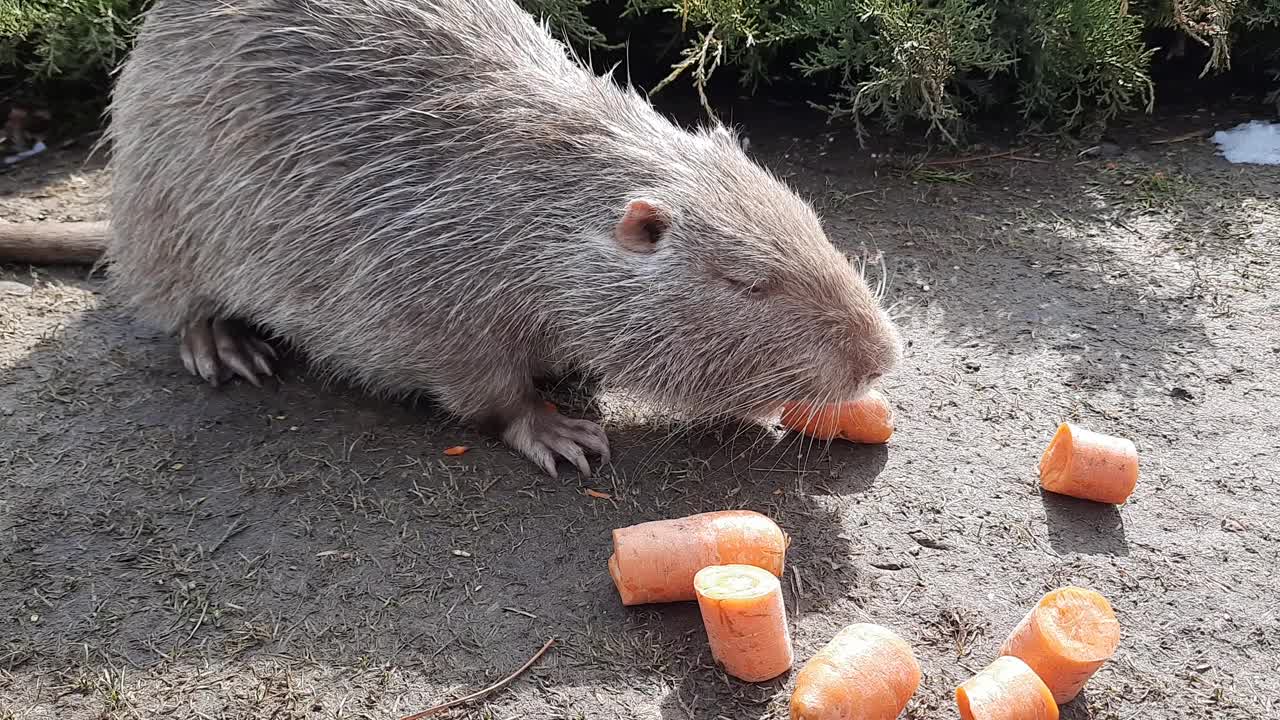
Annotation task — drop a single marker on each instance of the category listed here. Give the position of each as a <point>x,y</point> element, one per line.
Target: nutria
<point>435,195</point>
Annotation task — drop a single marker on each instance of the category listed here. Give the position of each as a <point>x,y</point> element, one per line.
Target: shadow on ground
<point>1083,526</point>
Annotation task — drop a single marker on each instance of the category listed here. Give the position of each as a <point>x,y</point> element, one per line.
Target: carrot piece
<point>1065,638</point>
<point>746,620</point>
<point>1089,465</point>
<point>1007,689</point>
<point>549,406</point>
<point>655,562</point>
<point>455,451</point>
<point>866,672</point>
<point>869,419</point>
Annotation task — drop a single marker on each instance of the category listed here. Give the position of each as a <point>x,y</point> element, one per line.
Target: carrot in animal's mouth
<point>868,420</point>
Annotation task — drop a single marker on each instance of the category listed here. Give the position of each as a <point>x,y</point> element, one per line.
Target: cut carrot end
<point>1057,457</point>
<point>655,562</point>
<point>746,621</point>
<point>866,672</point>
<point>962,703</point>
<point>623,591</point>
<point>1069,634</point>
<point>734,582</point>
<point>1089,465</point>
<point>1083,621</point>
<point>1007,689</point>
<point>867,420</point>
<point>455,450</point>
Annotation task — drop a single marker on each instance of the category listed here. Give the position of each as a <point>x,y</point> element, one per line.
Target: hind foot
<point>543,435</point>
<point>220,349</point>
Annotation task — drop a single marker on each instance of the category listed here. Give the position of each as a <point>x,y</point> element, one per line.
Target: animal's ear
<point>642,226</point>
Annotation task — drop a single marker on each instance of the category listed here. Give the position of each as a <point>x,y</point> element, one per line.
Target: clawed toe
<point>220,349</point>
<point>545,437</point>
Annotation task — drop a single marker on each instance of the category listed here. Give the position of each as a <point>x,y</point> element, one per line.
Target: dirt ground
<point>169,550</point>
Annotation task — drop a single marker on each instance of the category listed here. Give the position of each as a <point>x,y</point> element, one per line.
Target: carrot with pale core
<point>866,672</point>
<point>1007,689</point>
<point>1089,465</point>
<point>655,562</point>
<point>746,620</point>
<point>868,420</point>
<point>1065,638</point>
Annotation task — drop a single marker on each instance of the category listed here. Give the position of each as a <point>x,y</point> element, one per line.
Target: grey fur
<point>423,195</point>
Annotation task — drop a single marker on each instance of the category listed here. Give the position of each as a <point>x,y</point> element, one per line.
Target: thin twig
<point>481,693</point>
<point>1193,135</point>
<point>203,611</point>
<point>235,528</point>
<point>975,158</point>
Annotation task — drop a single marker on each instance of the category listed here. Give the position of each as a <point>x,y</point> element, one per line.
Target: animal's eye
<point>750,288</point>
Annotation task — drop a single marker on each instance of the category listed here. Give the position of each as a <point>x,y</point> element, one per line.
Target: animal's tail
<point>53,243</point>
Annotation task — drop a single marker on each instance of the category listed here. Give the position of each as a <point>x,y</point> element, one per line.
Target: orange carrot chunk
<point>866,672</point>
<point>1089,465</point>
<point>1065,638</point>
<point>746,621</point>
<point>655,562</point>
<point>1007,689</point>
<point>868,420</point>
<point>455,451</point>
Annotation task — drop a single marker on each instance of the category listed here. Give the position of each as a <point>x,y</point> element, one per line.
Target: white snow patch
<point>1254,142</point>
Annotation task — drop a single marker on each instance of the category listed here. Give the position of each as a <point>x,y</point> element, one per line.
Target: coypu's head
<point>736,301</point>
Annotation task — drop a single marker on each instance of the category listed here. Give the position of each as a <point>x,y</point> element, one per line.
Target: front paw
<point>543,435</point>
